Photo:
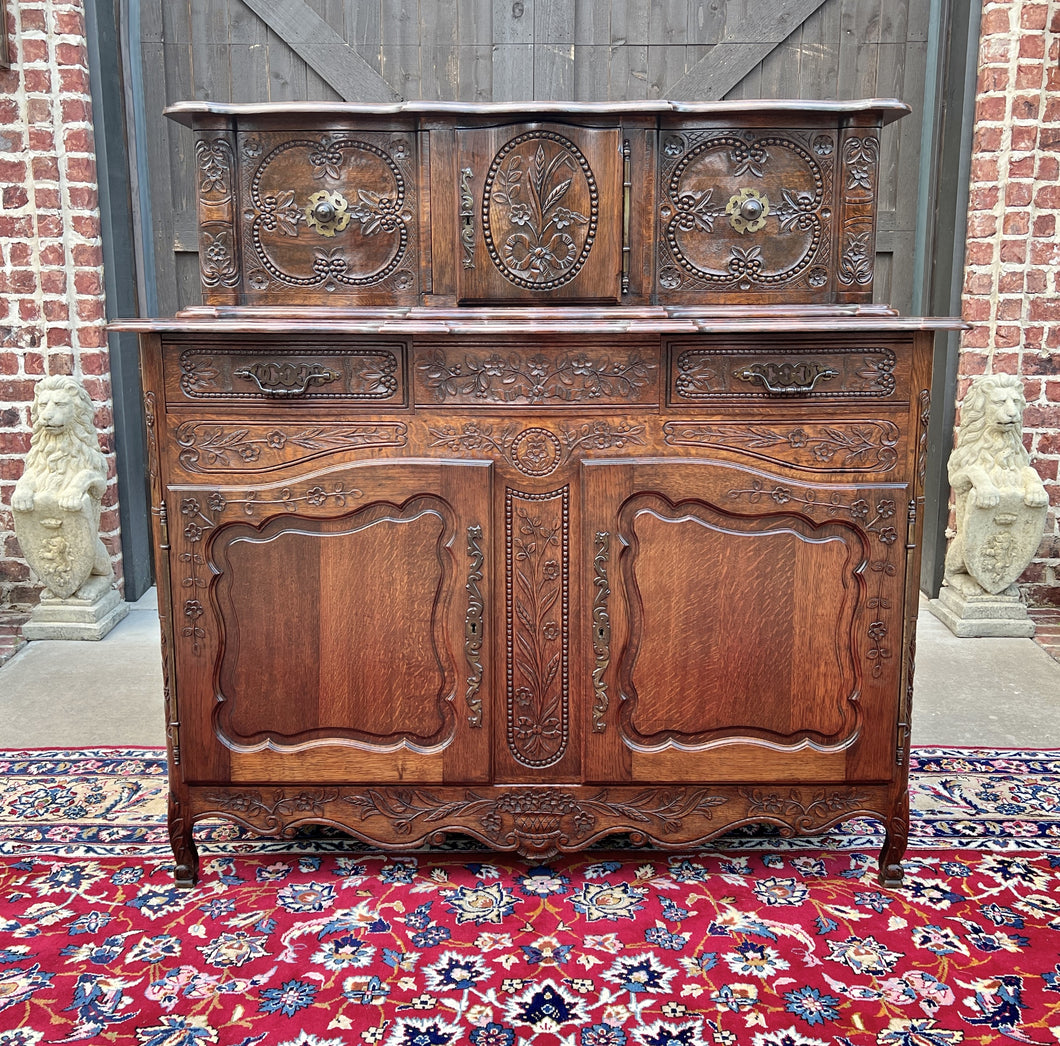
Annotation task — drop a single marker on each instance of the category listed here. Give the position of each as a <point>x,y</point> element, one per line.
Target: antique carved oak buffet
<point>537,473</point>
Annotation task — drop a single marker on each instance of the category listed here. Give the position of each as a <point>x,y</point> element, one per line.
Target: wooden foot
<point>894,842</point>
<point>186,869</point>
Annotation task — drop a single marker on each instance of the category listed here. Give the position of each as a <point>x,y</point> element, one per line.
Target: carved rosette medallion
<point>540,207</point>
<point>335,212</point>
<point>535,451</point>
<point>537,543</point>
<point>771,190</point>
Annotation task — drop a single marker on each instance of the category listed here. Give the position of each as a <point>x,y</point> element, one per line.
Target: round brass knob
<point>324,212</point>
<point>751,209</point>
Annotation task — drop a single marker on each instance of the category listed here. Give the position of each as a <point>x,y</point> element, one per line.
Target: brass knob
<point>751,209</point>
<point>324,212</point>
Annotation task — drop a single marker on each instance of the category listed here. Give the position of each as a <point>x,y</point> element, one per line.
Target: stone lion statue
<point>1000,500</point>
<point>56,503</point>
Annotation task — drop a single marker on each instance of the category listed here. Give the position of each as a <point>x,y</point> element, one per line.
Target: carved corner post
<point>859,163</point>
<point>215,170</point>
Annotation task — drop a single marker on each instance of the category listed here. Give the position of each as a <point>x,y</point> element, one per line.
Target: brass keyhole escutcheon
<point>747,210</point>
<point>327,213</point>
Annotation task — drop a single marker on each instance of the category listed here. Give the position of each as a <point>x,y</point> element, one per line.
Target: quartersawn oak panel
<point>325,593</point>
<point>745,614</point>
<point>753,616</point>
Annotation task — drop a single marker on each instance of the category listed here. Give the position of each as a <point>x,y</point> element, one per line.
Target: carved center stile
<point>537,538</point>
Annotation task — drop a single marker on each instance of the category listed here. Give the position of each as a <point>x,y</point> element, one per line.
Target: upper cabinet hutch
<point>537,473</point>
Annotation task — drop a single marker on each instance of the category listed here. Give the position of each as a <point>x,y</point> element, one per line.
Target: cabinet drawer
<point>370,373</point>
<point>725,371</point>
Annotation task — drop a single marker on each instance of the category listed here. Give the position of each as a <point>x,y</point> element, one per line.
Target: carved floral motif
<point>215,447</point>
<point>474,625</point>
<point>719,372</point>
<point>537,821</point>
<point>861,445</point>
<point>803,811</point>
<point>601,630</point>
<point>535,237</point>
<point>691,211</point>
<point>369,374</point>
<point>536,378</point>
<point>378,208</point>
<point>537,579</point>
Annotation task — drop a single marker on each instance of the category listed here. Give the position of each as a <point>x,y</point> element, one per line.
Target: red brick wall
<point>51,285</point>
<point>1012,274</point>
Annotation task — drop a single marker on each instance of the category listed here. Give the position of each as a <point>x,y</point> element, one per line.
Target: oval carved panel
<point>540,206</point>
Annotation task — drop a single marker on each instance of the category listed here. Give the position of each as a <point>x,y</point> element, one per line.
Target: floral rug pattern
<point>754,941</point>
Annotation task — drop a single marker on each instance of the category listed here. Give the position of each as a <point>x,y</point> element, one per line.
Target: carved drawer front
<point>323,215</point>
<point>760,215</point>
<point>370,373</point>
<point>583,372</point>
<point>540,213</point>
<point>726,371</point>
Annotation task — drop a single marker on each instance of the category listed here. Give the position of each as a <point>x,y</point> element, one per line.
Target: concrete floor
<point>990,692</point>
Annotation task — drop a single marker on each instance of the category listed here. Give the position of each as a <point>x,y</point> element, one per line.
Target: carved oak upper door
<point>290,664</point>
<point>540,213</point>
<point>738,614</point>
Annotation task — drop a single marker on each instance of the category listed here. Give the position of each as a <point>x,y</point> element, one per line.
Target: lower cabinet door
<point>745,627</point>
<point>330,628</point>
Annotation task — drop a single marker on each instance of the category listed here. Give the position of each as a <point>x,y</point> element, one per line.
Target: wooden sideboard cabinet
<point>537,474</point>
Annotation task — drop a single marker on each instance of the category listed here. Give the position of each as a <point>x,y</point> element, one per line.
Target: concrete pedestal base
<point>973,617</point>
<point>89,615</point>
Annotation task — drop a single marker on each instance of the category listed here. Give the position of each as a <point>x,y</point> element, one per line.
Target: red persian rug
<point>754,941</point>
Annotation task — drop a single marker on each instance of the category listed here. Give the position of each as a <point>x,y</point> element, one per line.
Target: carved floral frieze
<point>216,447</point>
<point>537,377</point>
<point>862,446</point>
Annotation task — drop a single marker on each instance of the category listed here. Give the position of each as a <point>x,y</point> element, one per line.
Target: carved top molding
<point>193,114</point>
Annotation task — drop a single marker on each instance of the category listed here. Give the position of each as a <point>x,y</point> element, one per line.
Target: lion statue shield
<point>1001,501</point>
<point>56,503</point>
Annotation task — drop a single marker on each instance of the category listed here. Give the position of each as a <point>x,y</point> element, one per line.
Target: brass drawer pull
<point>786,379</point>
<point>287,379</point>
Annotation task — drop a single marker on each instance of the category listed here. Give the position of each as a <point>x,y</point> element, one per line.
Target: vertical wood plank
<point>513,50</point>
<point>629,49</point>
<point>362,28</point>
<point>333,12</point>
<point>208,24</point>
<point>819,52</point>
<point>287,71</point>
<point>553,49</point>
<point>667,38</point>
<point>249,48</point>
<point>475,29</point>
